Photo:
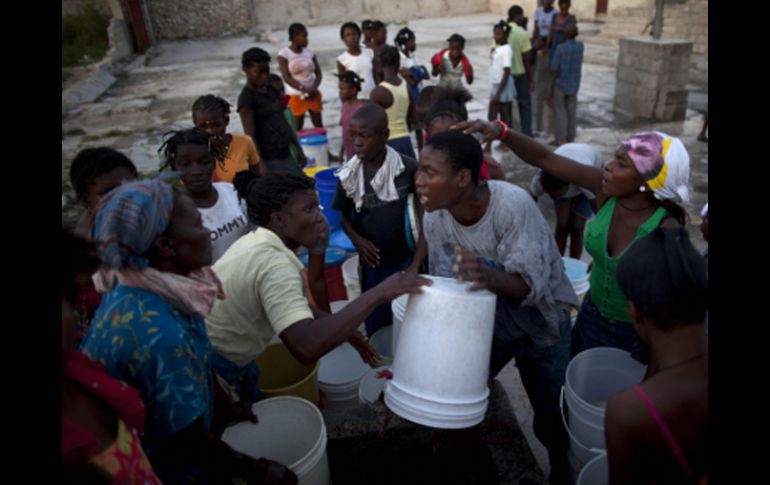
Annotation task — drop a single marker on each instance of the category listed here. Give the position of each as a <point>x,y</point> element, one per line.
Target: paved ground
<point>154,93</point>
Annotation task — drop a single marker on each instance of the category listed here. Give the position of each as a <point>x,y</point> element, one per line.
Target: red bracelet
<point>506,130</point>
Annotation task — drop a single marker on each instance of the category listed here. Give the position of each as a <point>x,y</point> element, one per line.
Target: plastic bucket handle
<point>569,432</point>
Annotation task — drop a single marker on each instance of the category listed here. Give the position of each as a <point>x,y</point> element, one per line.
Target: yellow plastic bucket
<point>311,171</point>
<point>283,375</point>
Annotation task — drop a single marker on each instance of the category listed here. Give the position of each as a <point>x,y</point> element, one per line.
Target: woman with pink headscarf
<point>636,192</point>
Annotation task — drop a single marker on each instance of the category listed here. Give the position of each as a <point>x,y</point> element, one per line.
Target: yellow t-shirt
<point>398,110</point>
<point>240,156</point>
<point>264,295</point>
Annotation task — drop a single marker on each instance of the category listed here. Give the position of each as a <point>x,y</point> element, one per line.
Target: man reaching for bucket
<point>492,235</point>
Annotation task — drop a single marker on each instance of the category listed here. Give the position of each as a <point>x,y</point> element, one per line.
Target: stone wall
<point>689,20</point>
<point>280,13</point>
<point>71,7</point>
<point>182,19</point>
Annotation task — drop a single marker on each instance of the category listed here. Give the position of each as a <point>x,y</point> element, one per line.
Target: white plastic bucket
<point>290,431</point>
<point>577,272</point>
<point>316,149</point>
<point>582,453</point>
<point>596,472</point>
<point>350,276</point>
<point>371,385</point>
<point>340,372</point>
<point>592,377</point>
<point>442,365</point>
<point>382,341</point>
<point>398,307</point>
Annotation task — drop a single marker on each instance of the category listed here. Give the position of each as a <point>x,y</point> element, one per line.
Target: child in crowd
<point>192,153</point>
<point>412,72</point>
<point>541,58</point>
<point>366,30</point>
<point>566,65</point>
<point>393,95</point>
<point>212,114</point>
<point>502,91</point>
<point>261,112</point>
<point>572,203</point>
<point>448,108</point>
<point>356,58</point>
<point>379,40</point>
<point>451,64</point>
<point>302,75</point>
<point>94,173</point>
<point>372,196</point>
<point>349,86</point>
<point>560,20</point>
<point>275,82</point>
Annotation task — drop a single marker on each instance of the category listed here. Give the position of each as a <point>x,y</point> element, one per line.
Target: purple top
<point>346,113</point>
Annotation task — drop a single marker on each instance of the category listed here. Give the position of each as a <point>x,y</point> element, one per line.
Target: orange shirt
<point>240,156</point>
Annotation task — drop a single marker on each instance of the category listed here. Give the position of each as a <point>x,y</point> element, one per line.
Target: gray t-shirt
<point>514,236</point>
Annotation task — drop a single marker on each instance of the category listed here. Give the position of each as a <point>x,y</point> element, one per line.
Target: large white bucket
<point>382,341</point>
<point>592,377</point>
<point>290,431</point>
<point>398,307</point>
<point>339,374</point>
<point>350,276</point>
<point>442,358</point>
<point>578,275</point>
<point>596,472</point>
<point>372,385</point>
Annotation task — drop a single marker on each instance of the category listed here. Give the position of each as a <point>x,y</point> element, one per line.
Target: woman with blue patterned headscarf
<point>149,329</point>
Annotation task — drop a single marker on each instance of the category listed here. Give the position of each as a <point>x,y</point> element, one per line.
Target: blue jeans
<point>581,206</point>
<point>593,330</point>
<point>403,146</point>
<point>542,372</point>
<point>524,101</point>
<point>382,316</point>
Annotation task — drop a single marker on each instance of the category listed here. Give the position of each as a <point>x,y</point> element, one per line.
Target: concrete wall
<point>689,20</point>
<point>180,19</point>
<point>281,13</point>
<point>70,7</point>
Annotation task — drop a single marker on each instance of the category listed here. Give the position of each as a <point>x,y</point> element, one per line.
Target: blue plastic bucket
<point>326,185</point>
<point>333,257</point>
<point>339,239</point>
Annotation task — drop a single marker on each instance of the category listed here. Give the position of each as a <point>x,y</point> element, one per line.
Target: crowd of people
<point>175,285</point>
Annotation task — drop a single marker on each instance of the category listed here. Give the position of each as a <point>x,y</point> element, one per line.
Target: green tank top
<point>605,291</point>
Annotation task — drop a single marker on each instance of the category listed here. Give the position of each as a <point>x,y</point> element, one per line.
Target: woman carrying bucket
<point>260,275</point>
<point>635,193</point>
<point>657,431</point>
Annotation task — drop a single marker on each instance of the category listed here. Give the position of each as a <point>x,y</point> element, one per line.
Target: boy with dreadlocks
<point>211,114</point>
<point>192,153</point>
<point>262,116</point>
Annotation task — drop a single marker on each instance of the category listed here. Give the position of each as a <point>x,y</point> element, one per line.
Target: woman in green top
<point>635,193</point>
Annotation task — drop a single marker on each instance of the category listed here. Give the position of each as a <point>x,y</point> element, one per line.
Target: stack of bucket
<point>442,357</point>
<point>326,185</point>
<point>290,431</point>
<point>592,377</point>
